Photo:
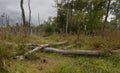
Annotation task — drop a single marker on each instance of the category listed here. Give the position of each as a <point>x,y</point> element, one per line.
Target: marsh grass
<point>57,63</point>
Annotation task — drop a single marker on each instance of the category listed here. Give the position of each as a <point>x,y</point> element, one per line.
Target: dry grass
<point>57,63</point>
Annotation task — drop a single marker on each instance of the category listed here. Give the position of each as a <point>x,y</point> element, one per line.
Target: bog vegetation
<point>84,24</point>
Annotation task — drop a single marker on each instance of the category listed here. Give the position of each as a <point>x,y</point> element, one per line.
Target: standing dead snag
<point>23,13</point>
<point>29,16</point>
<point>23,19</point>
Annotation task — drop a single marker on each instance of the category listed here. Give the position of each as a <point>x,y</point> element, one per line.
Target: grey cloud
<point>43,7</point>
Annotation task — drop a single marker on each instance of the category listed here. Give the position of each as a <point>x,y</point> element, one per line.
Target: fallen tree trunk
<point>74,52</point>
<point>23,44</point>
<point>40,47</point>
<point>80,52</point>
<point>71,52</point>
<point>46,48</point>
<point>35,45</point>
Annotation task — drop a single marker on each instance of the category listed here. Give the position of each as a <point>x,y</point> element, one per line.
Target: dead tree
<point>38,19</point>
<point>47,48</point>
<point>29,16</point>
<point>2,16</point>
<point>38,47</point>
<point>80,52</point>
<point>7,21</point>
<point>23,12</point>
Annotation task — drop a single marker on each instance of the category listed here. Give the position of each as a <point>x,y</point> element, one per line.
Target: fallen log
<point>75,52</point>
<point>23,44</point>
<point>46,48</point>
<point>81,52</point>
<point>40,47</point>
<point>35,45</point>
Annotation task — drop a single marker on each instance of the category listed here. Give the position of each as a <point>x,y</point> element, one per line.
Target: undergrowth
<point>57,63</point>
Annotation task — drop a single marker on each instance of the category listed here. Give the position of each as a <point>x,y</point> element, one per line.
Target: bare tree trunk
<point>71,15</point>
<point>67,17</point>
<point>106,17</point>
<point>81,52</point>
<point>38,19</point>
<point>38,47</point>
<point>7,20</point>
<point>47,48</point>
<point>67,23</point>
<point>118,25</point>
<point>23,13</point>
<point>68,52</point>
<point>29,16</point>
<point>2,17</point>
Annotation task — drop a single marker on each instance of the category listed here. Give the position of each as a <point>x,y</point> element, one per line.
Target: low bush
<point>5,54</point>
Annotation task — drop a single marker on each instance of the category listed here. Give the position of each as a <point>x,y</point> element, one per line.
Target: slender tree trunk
<point>7,20</point>
<point>29,16</point>
<point>25,30</point>
<point>71,16</point>
<point>118,25</point>
<point>67,23</point>
<point>106,17</point>
<point>23,13</point>
<point>57,13</point>
<point>67,16</point>
<point>38,19</point>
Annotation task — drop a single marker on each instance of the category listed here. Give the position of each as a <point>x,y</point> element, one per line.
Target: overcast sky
<point>45,8</point>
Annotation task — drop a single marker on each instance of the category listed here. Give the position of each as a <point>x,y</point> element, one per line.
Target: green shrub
<point>5,54</point>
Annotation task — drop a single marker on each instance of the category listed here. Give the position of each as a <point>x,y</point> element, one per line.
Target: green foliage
<point>5,54</point>
<point>88,64</point>
<point>83,13</point>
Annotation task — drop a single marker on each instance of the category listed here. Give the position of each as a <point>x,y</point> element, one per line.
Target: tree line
<point>85,16</point>
<point>77,16</point>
